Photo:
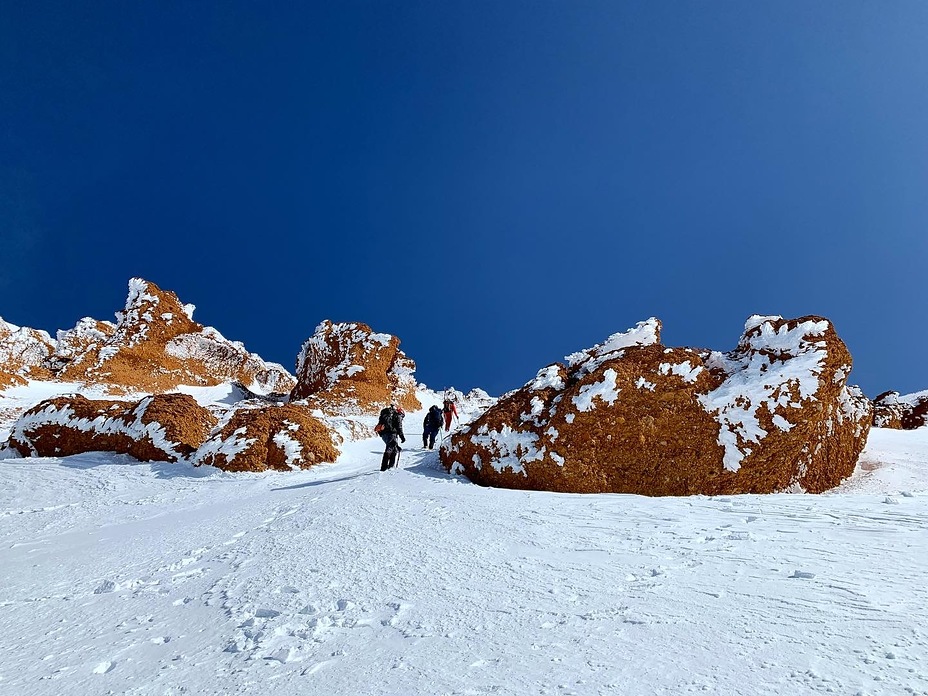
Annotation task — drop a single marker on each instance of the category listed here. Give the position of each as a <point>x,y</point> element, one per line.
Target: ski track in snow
<point>146,579</point>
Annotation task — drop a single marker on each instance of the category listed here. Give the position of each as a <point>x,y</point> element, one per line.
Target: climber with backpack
<point>430,427</point>
<point>450,410</point>
<point>390,427</point>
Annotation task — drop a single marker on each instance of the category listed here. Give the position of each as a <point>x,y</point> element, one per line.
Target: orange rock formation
<point>631,416</point>
<point>268,437</point>
<point>348,369</point>
<point>164,427</point>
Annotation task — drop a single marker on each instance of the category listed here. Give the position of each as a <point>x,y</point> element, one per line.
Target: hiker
<point>449,411</point>
<point>431,424</point>
<point>390,427</point>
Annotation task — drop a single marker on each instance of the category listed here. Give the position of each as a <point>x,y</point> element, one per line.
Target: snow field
<point>145,579</point>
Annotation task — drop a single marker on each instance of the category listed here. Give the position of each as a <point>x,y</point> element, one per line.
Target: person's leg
<point>425,437</point>
<point>389,451</point>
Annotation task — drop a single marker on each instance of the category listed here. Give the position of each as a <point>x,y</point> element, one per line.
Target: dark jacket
<point>392,422</point>
<point>432,420</point>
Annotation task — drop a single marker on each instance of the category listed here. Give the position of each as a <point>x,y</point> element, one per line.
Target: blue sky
<point>497,183</point>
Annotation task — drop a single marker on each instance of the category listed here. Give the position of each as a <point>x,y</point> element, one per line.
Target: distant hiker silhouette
<point>390,427</point>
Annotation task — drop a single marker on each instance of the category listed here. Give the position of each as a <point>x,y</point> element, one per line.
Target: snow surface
<point>127,578</point>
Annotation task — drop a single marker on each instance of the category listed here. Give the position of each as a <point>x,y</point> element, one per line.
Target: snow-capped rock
<point>268,437</point>
<point>348,369</point>
<point>23,354</point>
<point>902,412</point>
<point>633,416</point>
<point>164,427</point>
<point>155,346</point>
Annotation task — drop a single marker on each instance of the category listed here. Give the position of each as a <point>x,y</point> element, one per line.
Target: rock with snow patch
<point>23,354</point>
<point>348,369</point>
<point>632,416</point>
<point>892,410</point>
<point>268,437</point>
<point>164,427</point>
<point>155,345</point>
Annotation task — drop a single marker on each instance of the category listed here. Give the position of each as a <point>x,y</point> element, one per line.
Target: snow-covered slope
<point>128,578</point>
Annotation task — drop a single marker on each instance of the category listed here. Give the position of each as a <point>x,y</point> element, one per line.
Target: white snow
<point>645,333</point>
<point>685,371</point>
<point>152,579</point>
<point>291,447</point>
<point>547,378</point>
<point>513,448</point>
<point>605,390</point>
<point>790,358</point>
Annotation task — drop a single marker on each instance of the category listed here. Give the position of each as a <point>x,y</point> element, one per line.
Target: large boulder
<point>268,437</point>
<point>155,345</point>
<point>632,416</point>
<point>348,369</point>
<point>164,427</point>
<point>892,410</point>
<point>23,354</point>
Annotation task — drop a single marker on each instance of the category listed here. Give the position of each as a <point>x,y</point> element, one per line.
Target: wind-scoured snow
<point>151,579</point>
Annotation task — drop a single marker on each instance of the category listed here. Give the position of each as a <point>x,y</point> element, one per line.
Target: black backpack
<point>434,417</point>
<point>391,421</point>
<point>387,420</point>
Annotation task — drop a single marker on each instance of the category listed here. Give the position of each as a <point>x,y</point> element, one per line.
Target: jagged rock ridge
<point>24,354</point>
<point>154,346</point>
<point>348,369</point>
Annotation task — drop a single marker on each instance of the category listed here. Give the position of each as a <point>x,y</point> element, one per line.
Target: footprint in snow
<point>104,667</point>
<point>105,587</point>
<point>802,574</point>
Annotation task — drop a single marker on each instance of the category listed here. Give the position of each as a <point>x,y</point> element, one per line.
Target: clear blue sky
<point>497,183</point>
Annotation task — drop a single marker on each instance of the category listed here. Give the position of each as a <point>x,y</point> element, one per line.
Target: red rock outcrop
<point>348,369</point>
<point>891,410</point>
<point>631,416</point>
<point>23,354</point>
<point>155,346</point>
<point>164,427</point>
<point>268,437</point>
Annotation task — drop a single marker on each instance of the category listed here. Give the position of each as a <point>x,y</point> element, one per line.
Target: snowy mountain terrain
<point>122,577</point>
